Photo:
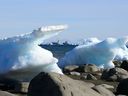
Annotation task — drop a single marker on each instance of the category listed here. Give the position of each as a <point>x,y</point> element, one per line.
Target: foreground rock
<point>103,91</point>
<point>53,84</point>
<point>114,74</point>
<point>107,86</point>
<point>3,93</point>
<point>123,87</point>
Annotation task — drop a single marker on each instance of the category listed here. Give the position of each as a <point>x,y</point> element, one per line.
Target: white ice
<point>90,41</point>
<point>22,52</point>
<point>101,53</point>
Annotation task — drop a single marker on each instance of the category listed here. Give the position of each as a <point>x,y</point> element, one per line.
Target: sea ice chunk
<point>100,53</point>
<point>23,52</point>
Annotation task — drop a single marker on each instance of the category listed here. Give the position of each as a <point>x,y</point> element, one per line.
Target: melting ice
<point>94,51</point>
<point>23,52</point>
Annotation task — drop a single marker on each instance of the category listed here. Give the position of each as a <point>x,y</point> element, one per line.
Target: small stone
<point>91,77</point>
<point>75,73</point>
<point>70,68</point>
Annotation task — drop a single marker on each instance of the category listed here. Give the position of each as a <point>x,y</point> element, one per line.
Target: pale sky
<point>85,18</point>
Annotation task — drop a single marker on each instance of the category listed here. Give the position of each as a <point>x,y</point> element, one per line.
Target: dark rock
<point>53,84</point>
<point>114,74</point>
<point>91,77</point>
<point>22,87</point>
<point>4,93</point>
<point>103,91</point>
<point>7,83</point>
<point>123,87</point>
<point>124,65</point>
<point>117,63</point>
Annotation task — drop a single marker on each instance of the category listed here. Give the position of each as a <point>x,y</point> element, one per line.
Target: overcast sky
<point>86,18</point>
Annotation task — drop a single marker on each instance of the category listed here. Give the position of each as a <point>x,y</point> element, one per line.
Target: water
<point>58,50</point>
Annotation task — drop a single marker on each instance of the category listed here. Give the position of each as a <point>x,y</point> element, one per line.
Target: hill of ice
<point>23,52</point>
<point>94,51</point>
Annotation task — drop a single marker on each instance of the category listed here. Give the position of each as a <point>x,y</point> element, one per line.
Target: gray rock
<point>53,84</point>
<point>4,93</point>
<point>69,68</point>
<point>88,68</point>
<point>114,74</point>
<point>83,77</point>
<point>91,68</point>
<point>91,77</point>
<point>103,91</point>
<point>107,86</point>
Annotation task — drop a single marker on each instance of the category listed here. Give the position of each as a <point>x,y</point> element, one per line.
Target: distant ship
<point>66,43</point>
<point>57,43</point>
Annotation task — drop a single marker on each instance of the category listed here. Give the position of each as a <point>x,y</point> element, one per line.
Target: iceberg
<point>90,41</point>
<point>23,53</point>
<point>101,53</point>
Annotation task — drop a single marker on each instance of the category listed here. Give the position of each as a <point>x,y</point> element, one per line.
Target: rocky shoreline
<point>86,80</point>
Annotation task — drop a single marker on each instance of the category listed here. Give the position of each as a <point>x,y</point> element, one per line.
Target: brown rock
<point>53,84</point>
